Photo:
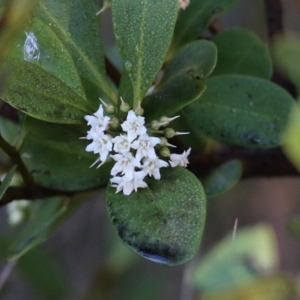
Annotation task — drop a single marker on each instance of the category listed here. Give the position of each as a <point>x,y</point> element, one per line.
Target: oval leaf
<point>183,80</point>
<point>143,31</point>
<point>61,163</point>
<point>82,41</point>
<point>193,21</point>
<point>242,52</point>
<point>39,94</point>
<point>223,178</point>
<point>242,110</point>
<point>163,222</point>
<point>49,53</point>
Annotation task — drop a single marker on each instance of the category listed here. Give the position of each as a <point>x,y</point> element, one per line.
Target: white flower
<point>145,146</point>
<point>101,145</point>
<point>128,185</point>
<point>134,125</point>
<point>152,166</point>
<point>121,143</point>
<point>99,122</point>
<point>125,164</point>
<point>180,159</point>
<point>184,3</point>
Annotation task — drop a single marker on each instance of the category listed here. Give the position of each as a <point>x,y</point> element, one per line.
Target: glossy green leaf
<point>143,31</point>
<point>46,216</point>
<point>163,222</point>
<point>223,178</point>
<point>194,20</point>
<point>6,181</point>
<point>41,95</point>
<point>242,110</point>
<point>291,137</point>
<point>242,52</point>
<point>287,54</point>
<point>237,261</point>
<point>183,80</point>
<point>50,54</point>
<point>82,41</point>
<point>61,162</point>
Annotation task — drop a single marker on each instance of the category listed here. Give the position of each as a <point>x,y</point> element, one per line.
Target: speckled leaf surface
<point>60,162</point>
<point>82,41</point>
<point>242,110</point>
<point>45,217</point>
<point>50,54</point>
<point>194,20</point>
<point>223,178</point>
<point>143,31</point>
<point>240,51</point>
<point>183,80</point>
<point>163,222</point>
<point>41,95</point>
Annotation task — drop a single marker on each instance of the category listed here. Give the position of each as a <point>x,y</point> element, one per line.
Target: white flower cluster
<point>132,146</point>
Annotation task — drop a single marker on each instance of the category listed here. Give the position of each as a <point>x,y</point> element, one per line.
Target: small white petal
<point>180,159</point>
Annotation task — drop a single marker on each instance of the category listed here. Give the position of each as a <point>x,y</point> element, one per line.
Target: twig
<point>256,162</point>
<point>6,273</point>
<point>274,16</point>
<point>19,193</point>
<point>16,159</point>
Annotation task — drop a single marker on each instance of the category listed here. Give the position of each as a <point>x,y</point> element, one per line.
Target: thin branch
<point>6,273</point>
<point>274,16</point>
<point>16,159</point>
<point>38,193</point>
<point>256,162</point>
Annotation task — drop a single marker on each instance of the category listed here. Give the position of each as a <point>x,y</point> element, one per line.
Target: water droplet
<point>31,48</point>
<point>128,66</point>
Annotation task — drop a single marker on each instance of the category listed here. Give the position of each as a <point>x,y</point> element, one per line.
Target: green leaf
<point>287,54</point>
<point>163,222</point>
<point>242,110</point>
<point>194,20</point>
<point>291,137</point>
<point>58,160</point>
<point>183,80</point>
<point>7,180</point>
<point>242,52</point>
<point>237,261</point>
<point>52,284</point>
<point>53,56</point>
<point>46,216</point>
<point>223,178</point>
<point>267,287</point>
<point>82,41</point>
<point>143,31</point>
<point>41,95</point>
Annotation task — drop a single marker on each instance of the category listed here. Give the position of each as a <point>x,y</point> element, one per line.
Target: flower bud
<point>108,107</point>
<point>167,120</point>
<point>164,143</point>
<point>124,107</point>
<point>169,132</point>
<point>114,123</point>
<point>139,110</point>
<point>164,152</point>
